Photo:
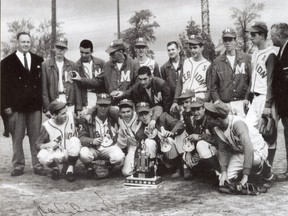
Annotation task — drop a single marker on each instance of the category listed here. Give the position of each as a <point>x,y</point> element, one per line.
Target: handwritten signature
<point>71,208</point>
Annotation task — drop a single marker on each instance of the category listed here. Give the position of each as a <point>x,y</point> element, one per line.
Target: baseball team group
<point>187,116</point>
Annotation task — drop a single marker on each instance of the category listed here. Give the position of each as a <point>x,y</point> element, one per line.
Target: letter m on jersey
<point>240,69</point>
<point>125,77</point>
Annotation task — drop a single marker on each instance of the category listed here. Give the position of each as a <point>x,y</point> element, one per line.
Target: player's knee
<point>44,157</point>
<point>85,155</point>
<point>127,171</point>
<point>117,158</point>
<point>73,146</point>
<point>151,148</point>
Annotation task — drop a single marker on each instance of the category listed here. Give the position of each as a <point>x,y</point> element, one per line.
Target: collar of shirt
<point>283,48</point>
<point>20,56</point>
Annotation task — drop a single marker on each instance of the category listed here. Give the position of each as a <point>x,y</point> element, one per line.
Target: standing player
<point>263,62</point>
<point>231,74</point>
<point>141,49</point>
<point>58,142</point>
<point>193,74</point>
<point>89,68</point>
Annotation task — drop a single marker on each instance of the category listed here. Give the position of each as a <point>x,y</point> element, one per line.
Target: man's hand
<point>244,180</point>
<point>75,75</point>
<point>88,118</point>
<point>8,111</point>
<point>117,94</point>
<point>267,111</point>
<point>174,107</point>
<point>151,125</point>
<point>97,141</point>
<point>245,105</point>
<point>193,137</point>
<point>222,178</point>
<point>54,145</point>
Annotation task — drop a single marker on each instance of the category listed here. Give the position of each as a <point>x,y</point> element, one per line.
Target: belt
<point>256,94</point>
<point>61,93</point>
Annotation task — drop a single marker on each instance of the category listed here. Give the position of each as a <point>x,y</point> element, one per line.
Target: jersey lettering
<point>240,69</point>
<point>125,76</point>
<point>261,71</point>
<point>158,98</point>
<point>186,76</point>
<point>199,78</point>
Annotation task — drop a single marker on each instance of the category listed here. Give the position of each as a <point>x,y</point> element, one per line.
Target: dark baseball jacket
<point>20,89</point>
<point>160,92</point>
<point>50,78</point>
<point>231,84</point>
<point>86,82</point>
<point>170,75</point>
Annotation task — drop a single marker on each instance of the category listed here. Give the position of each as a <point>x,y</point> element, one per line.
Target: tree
<point>40,36</point>
<point>243,18</point>
<point>142,25</point>
<point>194,29</point>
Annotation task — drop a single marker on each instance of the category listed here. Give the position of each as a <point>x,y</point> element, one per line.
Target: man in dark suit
<point>279,37</point>
<point>22,102</point>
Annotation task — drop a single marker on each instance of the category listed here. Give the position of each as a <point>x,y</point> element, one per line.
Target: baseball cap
<point>187,94</point>
<point>197,103</point>
<point>195,39</point>
<point>229,32</point>
<point>126,102</point>
<point>140,42</point>
<point>115,45</point>
<point>142,107</point>
<point>258,26</point>
<point>218,108</point>
<point>55,106</point>
<point>103,98</point>
<point>62,42</point>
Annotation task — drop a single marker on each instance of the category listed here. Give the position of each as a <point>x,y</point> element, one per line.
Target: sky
<point>96,20</point>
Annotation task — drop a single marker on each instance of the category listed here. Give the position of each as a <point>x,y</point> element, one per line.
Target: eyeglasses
<point>227,39</point>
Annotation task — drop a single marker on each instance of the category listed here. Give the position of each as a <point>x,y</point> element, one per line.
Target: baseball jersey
<point>259,70</point>
<point>149,63</point>
<point>65,131</point>
<point>104,128</point>
<point>194,75</point>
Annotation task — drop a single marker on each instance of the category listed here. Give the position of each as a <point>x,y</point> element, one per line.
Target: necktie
<point>25,62</point>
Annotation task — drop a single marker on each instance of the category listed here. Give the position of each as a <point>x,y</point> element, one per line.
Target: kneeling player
<point>58,143</point>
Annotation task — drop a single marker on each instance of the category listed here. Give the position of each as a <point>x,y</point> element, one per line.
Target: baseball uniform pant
<point>236,162</point>
<point>112,153</point>
<point>237,108</point>
<point>18,123</point>
<point>48,156</point>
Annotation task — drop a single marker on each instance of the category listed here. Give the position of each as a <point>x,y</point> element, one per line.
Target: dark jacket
<point>280,83</point>
<point>160,92</point>
<point>87,131</point>
<point>50,78</point>
<point>86,82</point>
<point>170,75</point>
<point>20,89</point>
<point>231,84</point>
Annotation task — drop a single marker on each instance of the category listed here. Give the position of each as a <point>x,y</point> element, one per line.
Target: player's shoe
<point>187,174</point>
<point>90,173</point>
<point>70,177</point>
<point>177,174</point>
<point>55,174</point>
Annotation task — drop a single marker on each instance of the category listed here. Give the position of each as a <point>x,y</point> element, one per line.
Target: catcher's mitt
<point>268,128</point>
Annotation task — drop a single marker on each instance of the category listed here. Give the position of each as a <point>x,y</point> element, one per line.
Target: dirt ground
<point>33,195</point>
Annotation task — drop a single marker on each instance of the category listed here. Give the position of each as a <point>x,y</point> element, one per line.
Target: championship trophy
<point>145,166</point>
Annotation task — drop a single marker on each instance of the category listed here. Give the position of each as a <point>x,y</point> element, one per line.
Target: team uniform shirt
<point>193,77</point>
<point>61,132</point>
<point>259,70</point>
<point>154,68</point>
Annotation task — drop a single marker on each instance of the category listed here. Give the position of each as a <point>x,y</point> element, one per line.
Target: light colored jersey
<point>149,63</point>
<point>194,75</point>
<point>64,131</point>
<point>259,70</point>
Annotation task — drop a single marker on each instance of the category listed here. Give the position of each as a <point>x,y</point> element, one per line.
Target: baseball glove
<point>268,128</point>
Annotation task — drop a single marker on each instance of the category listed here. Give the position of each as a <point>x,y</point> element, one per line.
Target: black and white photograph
<point>156,107</point>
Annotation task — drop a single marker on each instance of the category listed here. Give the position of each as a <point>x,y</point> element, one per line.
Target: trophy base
<point>143,182</point>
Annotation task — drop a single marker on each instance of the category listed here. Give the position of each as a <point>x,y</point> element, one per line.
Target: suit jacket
<point>280,83</point>
<point>21,89</point>
<point>50,78</point>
